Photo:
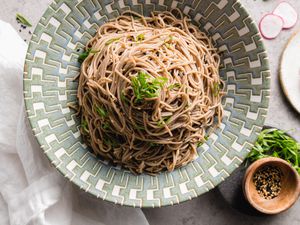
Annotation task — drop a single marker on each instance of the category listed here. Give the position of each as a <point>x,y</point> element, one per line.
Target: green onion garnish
<point>144,87</point>
<point>200,143</point>
<point>276,143</point>
<point>163,121</point>
<point>101,112</point>
<point>23,20</point>
<point>85,54</point>
<point>174,86</point>
<point>140,37</point>
<point>216,89</point>
<point>84,126</point>
<point>105,125</point>
<point>112,40</point>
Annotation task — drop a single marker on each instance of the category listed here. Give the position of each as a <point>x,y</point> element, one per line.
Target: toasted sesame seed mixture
<point>267,181</point>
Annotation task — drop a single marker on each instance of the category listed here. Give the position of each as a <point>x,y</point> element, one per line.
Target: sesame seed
<point>267,181</point>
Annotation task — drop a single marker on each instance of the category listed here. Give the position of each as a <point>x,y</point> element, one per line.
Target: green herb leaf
<point>23,20</point>
<point>160,81</point>
<point>163,121</point>
<point>202,142</point>
<point>140,37</point>
<point>274,142</point>
<point>167,45</point>
<point>94,51</point>
<point>85,54</point>
<point>174,86</point>
<point>105,125</point>
<point>112,40</point>
<point>144,87</point>
<point>216,89</point>
<point>101,111</point>
<point>84,126</point>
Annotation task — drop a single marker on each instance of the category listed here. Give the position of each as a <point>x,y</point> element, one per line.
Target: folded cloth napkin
<point>31,191</point>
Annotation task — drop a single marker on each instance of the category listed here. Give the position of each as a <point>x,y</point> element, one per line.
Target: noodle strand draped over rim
<point>148,91</point>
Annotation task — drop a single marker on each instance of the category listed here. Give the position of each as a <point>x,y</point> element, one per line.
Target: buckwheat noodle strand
<point>148,91</point>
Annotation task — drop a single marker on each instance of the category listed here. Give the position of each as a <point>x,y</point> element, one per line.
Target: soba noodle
<point>148,91</point>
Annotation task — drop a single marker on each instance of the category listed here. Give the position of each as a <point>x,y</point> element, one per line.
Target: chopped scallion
<point>140,37</point>
<point>23,20</point>
<point>144,87</point>
<point>112,40</point>
<point>85,54</point>
<point>101,112</point>
<point>276,143</point>
<point>216,89</point>
<point>105,125</point>
<point>84,126</point>
<point>174,86</point>
<point>163,121</point>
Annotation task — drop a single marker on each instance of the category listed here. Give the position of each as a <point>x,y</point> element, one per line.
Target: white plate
<point>290,71</point>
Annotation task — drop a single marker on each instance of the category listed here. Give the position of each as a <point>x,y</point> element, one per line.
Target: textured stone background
<point>208,209</point>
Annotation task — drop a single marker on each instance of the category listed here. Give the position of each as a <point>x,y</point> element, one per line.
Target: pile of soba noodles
<point>149,89</point>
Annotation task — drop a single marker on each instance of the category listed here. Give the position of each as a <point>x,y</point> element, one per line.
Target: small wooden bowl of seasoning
<point>271,185</point>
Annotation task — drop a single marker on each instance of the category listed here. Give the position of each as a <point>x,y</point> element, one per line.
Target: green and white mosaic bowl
<point>51,64</point>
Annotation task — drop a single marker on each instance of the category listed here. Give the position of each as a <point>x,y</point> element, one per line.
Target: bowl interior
<point>289,189</point>
<point>49,86</point>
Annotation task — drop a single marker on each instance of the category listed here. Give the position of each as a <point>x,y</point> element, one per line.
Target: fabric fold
<point>35,199</point>
<point>32,192</point>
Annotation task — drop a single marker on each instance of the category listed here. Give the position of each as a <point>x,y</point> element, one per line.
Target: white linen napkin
<point>31,191</point>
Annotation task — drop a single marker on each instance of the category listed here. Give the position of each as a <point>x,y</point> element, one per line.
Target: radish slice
<point>287,13</point>
<point>270,26</point>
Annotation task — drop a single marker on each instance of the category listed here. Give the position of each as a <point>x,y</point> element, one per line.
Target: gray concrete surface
<point>208,209</point>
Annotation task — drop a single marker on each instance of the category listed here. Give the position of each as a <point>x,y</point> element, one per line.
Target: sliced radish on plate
<point>270,26</point>
<point>287,13</point>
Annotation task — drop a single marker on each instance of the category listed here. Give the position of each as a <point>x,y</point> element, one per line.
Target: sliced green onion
<point>23,20</point>
<point>216,89</point>
<point>140,37</point>
<point>105,125</point>
<point>163,121</point>
<point>101,112</point>
<point>143,87</point>
<point>84,126</point>
<point>174,86</point>
<point>85,54</point>
<point>112,40</point>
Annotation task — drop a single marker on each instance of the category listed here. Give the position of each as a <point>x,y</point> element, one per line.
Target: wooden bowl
<point>290,187</point>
